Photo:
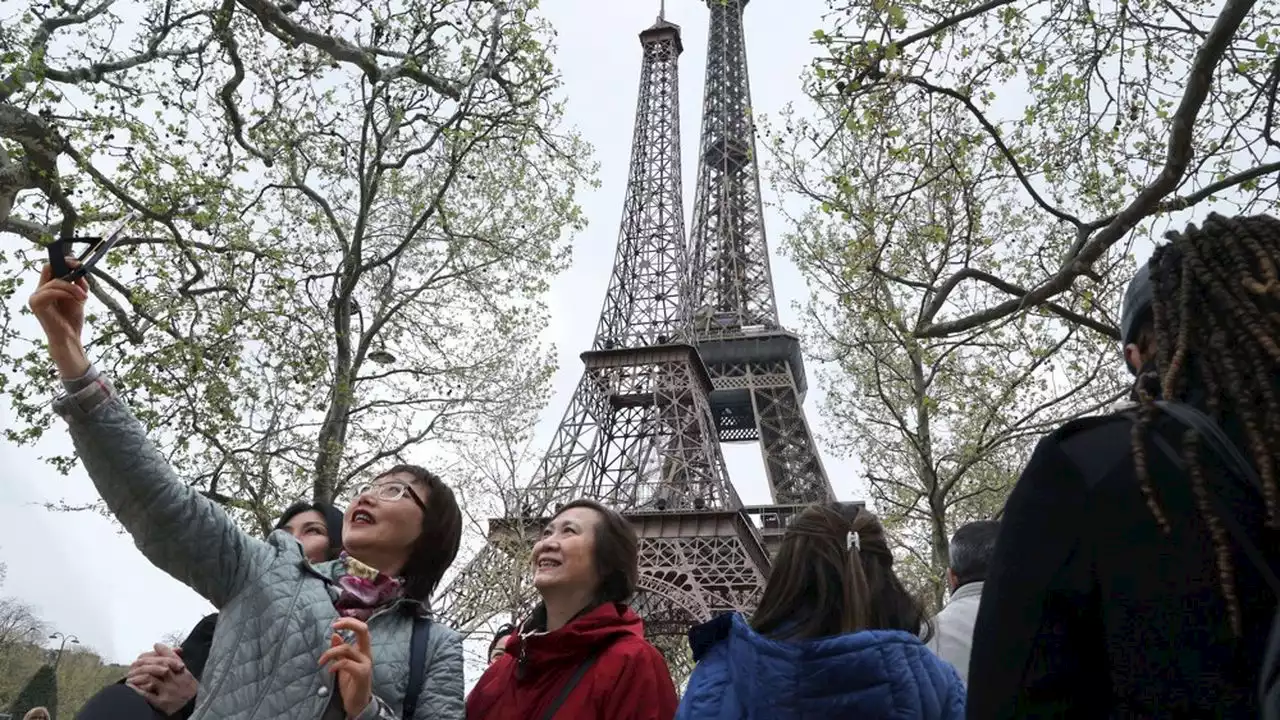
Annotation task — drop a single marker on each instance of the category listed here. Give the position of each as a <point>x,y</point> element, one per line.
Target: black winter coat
<point>1091,611</point>
<point>195,653</point>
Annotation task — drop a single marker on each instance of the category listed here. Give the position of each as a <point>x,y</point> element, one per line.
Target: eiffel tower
<point>756,366</point>
<point>688,353</point>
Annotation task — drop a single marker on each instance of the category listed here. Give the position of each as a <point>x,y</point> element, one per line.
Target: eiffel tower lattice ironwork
<point>642,431</point>
<point>756,366</point>
<point>638,434</point>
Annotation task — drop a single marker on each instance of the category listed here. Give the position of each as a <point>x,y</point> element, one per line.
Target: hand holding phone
<point>98,249</point>
<point>59,306</point>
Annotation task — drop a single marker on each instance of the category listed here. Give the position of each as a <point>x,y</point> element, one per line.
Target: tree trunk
<point>929,477</point>
<point>940,547</point>
<point>332,440</point>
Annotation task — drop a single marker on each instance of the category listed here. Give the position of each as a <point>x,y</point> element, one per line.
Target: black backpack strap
<point>1227,451</point>
<point>417,664</point>
<point>1236,464</point>
<point>573,682</point>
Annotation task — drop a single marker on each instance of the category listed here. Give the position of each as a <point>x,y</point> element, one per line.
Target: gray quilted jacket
<point>276,608</point>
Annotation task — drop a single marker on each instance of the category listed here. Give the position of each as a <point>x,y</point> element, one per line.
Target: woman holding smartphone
<point>339,639</point>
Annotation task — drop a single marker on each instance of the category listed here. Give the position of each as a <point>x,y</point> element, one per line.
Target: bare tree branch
<point>1145,149</point>
<point>348,216</point>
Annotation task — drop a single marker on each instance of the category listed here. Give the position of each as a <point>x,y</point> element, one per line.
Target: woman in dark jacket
<point>582,654</point>
<point>835,636</point>
<point>162,683</point>
<point>1118,588</point>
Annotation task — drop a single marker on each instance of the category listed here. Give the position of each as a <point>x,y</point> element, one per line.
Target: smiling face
<point>565,556</point>
<point>313,532</point>
<point>382,531</point>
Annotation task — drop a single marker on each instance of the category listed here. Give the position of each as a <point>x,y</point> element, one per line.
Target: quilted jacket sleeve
<point>378,709</point>
<point>179,530</point>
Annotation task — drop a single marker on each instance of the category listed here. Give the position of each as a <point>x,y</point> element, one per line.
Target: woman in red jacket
<point>582,654</point>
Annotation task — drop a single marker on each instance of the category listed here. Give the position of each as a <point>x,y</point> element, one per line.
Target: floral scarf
<point>363,590</point>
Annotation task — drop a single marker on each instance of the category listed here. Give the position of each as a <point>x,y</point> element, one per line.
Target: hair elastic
<point>853,540</point>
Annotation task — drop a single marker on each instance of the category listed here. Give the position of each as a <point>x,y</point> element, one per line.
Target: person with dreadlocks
<point>1117,588</point>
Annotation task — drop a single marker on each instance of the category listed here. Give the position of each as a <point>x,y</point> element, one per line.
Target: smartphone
<point>98,249</point>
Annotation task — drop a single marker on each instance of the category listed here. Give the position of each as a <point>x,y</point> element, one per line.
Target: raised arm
<point>180,531</point>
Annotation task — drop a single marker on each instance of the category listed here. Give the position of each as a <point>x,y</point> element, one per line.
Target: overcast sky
<point>88,579</point>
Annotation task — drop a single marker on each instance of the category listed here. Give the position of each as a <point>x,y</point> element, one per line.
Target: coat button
<point>322,691</point>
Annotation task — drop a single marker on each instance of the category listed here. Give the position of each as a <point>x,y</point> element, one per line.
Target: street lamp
<point>65,639</point>
<point>379,354</point>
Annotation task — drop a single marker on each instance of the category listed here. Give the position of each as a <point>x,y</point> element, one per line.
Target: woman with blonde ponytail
<point>835,632</point>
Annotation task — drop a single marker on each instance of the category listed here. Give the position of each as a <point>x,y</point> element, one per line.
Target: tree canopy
<point>1105,118</point>
<point>347,213</point>
<point>970,192</point>
<point>942,426</point>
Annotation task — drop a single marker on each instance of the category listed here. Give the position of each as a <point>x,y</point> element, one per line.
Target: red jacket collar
<point>603,625</point>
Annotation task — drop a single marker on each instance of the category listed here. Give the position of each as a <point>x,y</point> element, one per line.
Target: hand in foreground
<point>352,664</point>
<point>163,679</point>
<point>59,306</point>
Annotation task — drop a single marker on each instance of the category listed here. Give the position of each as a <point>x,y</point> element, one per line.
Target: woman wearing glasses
<point>294,640</point>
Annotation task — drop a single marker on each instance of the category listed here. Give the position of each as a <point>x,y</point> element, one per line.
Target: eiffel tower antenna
<point>662,9</point>
<point>756,366</point>
<point>638,434</point>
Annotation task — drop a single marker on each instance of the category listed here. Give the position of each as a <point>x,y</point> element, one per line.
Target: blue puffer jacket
<point>871,675</point>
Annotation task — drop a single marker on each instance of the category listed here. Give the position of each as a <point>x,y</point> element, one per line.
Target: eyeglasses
<point>391,492</point>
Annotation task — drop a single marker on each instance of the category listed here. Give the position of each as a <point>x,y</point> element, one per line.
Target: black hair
<point>821,586</point>
<point>332,520</point>
<point>817,586</point>
<point>1216,313</point>
<point>503,631</point>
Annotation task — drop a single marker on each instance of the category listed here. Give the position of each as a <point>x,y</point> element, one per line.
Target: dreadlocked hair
<point>1216,315</point>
